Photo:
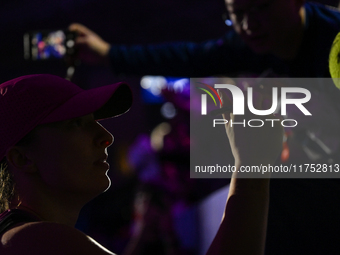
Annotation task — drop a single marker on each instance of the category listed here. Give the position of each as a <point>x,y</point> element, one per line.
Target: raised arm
<point>92,48</point>
<point>243,227</point>
<point>227,54</point>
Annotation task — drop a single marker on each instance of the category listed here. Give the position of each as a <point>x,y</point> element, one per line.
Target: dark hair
<point>7,184</point>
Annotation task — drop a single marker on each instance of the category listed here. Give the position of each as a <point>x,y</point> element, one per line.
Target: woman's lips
<point>102,162</point>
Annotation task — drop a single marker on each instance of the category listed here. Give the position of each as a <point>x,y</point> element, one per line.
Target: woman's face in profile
<point>70,156</point>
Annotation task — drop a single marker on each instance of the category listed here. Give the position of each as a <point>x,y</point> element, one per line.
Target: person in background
<point>292,37</point>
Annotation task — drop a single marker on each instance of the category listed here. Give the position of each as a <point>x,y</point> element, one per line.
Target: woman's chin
<point>108,183</point>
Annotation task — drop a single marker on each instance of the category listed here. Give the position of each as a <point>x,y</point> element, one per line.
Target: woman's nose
<point>105,138</point>
<point>108,142</point>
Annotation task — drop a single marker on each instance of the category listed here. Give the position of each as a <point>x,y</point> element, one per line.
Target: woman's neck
<point>47,209</point>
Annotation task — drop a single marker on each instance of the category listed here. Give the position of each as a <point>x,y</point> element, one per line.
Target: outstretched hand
<point>253,145</point>
<point>92,49</point>
<point>243,228</point>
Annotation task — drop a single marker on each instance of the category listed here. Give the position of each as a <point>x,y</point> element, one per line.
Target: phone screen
<point>43,45</point>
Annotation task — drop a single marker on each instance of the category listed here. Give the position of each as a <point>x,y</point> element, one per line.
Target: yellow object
<point>334,61</point>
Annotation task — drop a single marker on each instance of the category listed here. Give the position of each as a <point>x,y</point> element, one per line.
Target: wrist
<point>104,49</point>
<point>263,162</point>
<point>253,169</point>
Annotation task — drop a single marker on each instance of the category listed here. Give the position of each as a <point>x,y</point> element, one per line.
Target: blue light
<point>228,22</point>
<point>168,110</point>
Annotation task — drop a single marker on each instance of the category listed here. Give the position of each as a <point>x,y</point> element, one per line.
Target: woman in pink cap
<point>53,161</point>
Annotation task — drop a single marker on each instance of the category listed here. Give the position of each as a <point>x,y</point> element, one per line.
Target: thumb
<point>79,28</point>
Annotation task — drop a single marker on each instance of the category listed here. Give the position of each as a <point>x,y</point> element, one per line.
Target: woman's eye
<point>77,122</point>
<point>82,121</point>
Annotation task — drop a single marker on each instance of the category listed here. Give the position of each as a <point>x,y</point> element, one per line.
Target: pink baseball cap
<point>31,100</point>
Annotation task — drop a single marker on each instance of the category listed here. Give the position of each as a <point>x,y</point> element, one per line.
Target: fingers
<point>90,41</point>
<point>79,28</point>
<point>82,31</point>
<point>81,40</point>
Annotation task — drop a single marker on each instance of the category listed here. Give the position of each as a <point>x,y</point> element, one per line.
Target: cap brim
<point>105,102</point>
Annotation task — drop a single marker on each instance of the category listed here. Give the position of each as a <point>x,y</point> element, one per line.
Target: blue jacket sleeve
<point>222,56</point>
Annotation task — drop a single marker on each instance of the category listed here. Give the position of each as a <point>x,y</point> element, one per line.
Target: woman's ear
<point>17,158</point>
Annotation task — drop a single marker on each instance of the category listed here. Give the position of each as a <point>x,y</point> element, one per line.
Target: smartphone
<point>49,44</point>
